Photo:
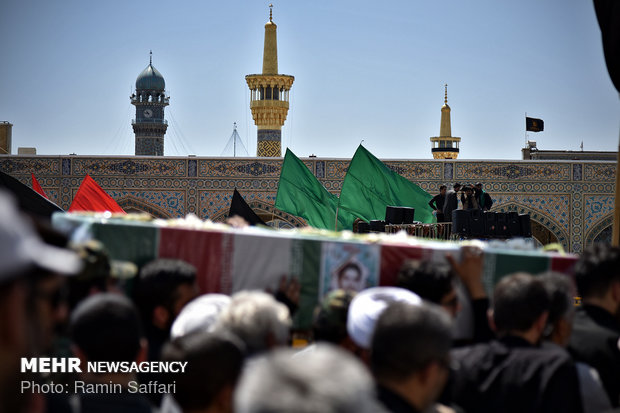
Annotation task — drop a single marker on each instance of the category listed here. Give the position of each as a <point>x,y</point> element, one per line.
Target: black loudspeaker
<point>460,222</point>
<point>476,223</point>
<point>377,225</point>
<point>490,224</point>
<point>526,225</point>
<point>502,225</point>
<point>399,215</point>
<point>393,215</point>
<point>363,227</point>
<point>408,214</point>
<point>514,226</point>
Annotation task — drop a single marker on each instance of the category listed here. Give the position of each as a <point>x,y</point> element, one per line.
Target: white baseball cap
<point>21,249</point>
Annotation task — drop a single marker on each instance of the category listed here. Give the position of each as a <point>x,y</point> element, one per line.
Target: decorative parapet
<point>571,200</point>
<point>280,81</point>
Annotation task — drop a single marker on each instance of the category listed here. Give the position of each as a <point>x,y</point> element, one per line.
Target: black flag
<point>238,206</point>
<point>29,200</point>
<point>534,125</point>
<point>608,15</point>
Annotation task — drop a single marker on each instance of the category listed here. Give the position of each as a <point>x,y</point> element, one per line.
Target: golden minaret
<point>269,96</point>
<point>445,146</point>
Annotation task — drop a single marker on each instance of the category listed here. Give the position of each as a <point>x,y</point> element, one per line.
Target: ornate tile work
<point>600,232</point>
<point>247,184</point>
<point>37,166</point>
<point>66,166</point>
<point>576,232</point>
<point>336,169</point>
<point>257,169</point>
<point>173,202</point>
<point>448,169</point>
<point>268,148</point>
<point>215,203</point>
<point>604,172</point>
<point>53,194</point>
<point>556,207</point>
<point>430,187</point>
<point>595,207</point>
<point>416,170</point>
<point>571,199</point>
<point>320,169</point>
<point>132,166</point>
<point>332,186</point>
<point>192,167</point>
<point>238,168</point>
<point>512,171</point>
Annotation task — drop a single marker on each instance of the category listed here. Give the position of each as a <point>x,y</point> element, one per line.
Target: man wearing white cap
<point>365,310</point>
<point>200,314</point>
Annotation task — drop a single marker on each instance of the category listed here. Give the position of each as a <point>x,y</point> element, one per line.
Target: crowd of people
<point>384,349</point>
<point>471,197</point>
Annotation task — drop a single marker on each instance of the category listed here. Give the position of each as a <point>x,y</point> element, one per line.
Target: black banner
<point>534,125</point>
<point>238,206</point>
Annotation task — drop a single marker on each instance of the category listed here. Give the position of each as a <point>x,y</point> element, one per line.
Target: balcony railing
<point>152,120</point>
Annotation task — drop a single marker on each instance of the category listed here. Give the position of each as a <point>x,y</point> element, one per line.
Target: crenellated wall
<point>571,201</point>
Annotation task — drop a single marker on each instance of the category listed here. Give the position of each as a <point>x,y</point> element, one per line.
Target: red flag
<point>90,197</point>
<point>37,187</point>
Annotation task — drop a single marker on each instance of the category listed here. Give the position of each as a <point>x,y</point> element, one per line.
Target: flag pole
<point>525,134</point>
<point>336,220</point>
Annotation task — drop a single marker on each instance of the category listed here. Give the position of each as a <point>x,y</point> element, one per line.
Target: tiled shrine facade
<point>570,202</point>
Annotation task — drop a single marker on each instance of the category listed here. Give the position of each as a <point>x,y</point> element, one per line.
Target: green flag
<point>301,194</point>
<point>370,186</point>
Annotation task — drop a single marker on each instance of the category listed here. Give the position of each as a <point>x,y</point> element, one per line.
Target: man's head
<point>200,314</point>
<point>597,273</point>
<point>410,351</point>
<point>478,186</point>
<point>456,186</point>
<point>349,277</point>
<point>365,310</point>
<point>106,327</point>
<point>469,190</point>
<point>326,380</point>
<point>330,318</point>
<point>257,319</point>
<point>520,306</point>
<point>214,363</point>
<point>431,281</point>
<point>165,286</point>
<point>442,189</point>
<point>48,262</point>
<point>27,314</point>
<point>561,308</point>
<point>96,274</point>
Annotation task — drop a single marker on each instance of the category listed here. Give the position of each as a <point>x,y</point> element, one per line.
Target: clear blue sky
<point>363,70</point>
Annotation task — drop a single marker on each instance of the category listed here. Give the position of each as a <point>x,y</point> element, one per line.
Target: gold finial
<point>446,95</point>
<point>270,15</point>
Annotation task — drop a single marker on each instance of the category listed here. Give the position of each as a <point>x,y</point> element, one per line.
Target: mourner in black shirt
<point>514,373</point>
<point>437,203</point>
